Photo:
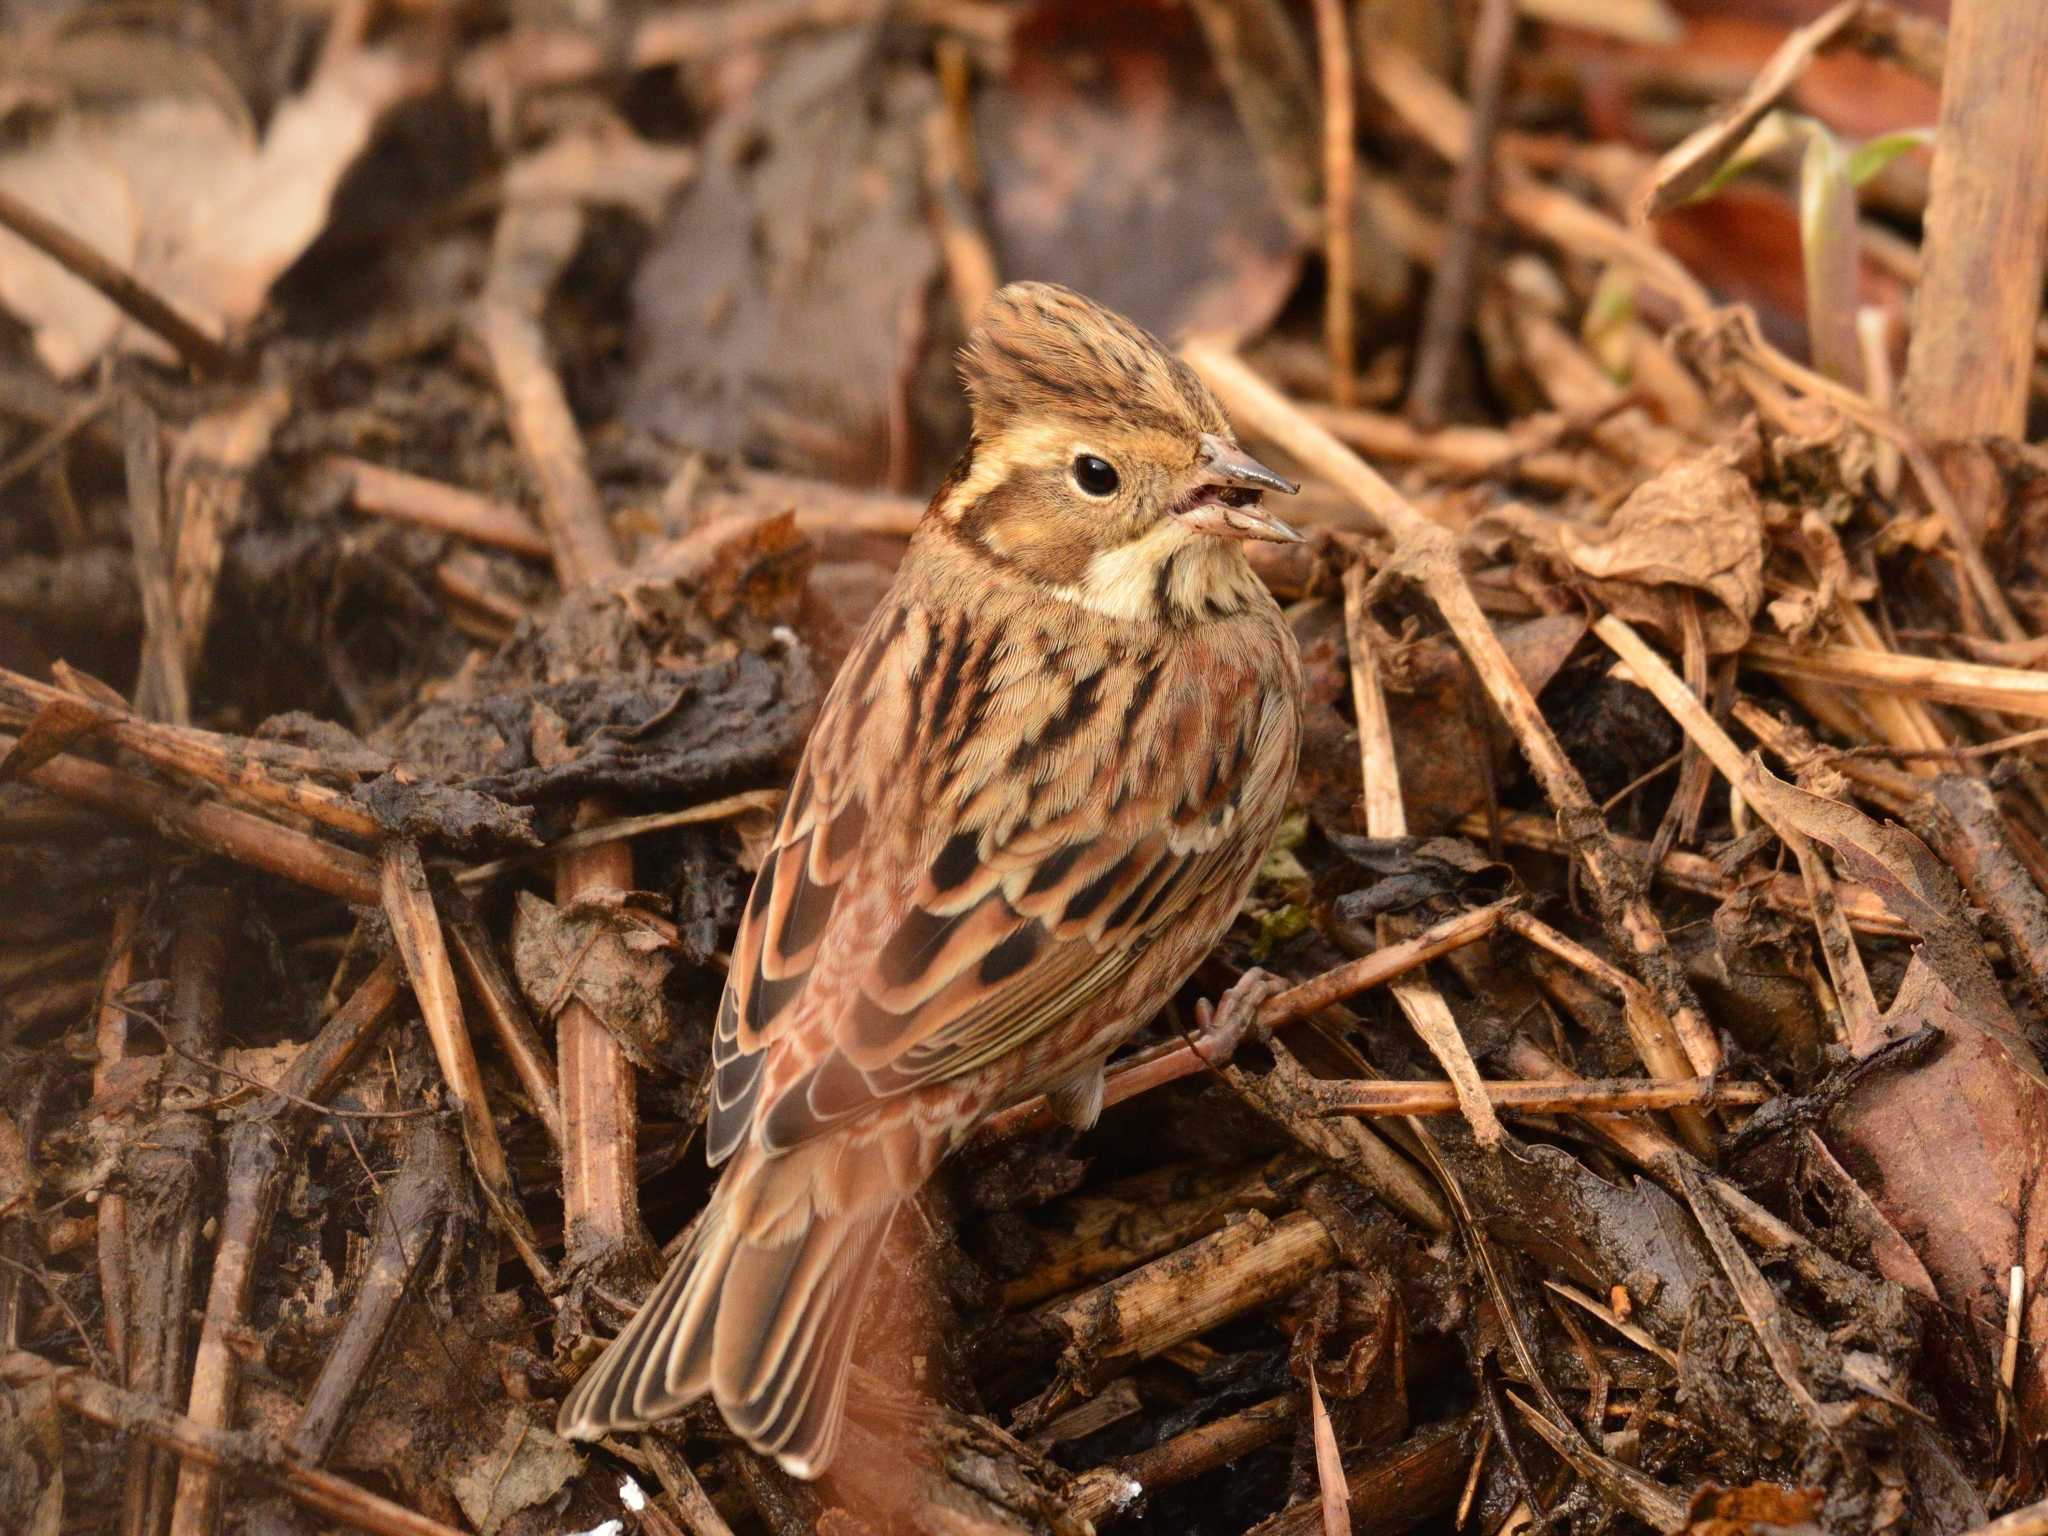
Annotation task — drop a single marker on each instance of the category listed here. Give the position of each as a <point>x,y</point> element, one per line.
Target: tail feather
<point>760,1314</point>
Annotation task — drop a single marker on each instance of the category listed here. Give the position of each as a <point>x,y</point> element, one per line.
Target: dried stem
<point>505,1011</point>
<point>1785,893</point>
<point>2004,690</point>
<point>204,756</point>
<point>1170,1063</point>
<point>263,1148</point>
<point>1450,291</point>
<point>213,828</point>
<point>1396,1488</point>
<point>412,1214</point>
<point>1838,944</point>
<point>600,1124</point>
<point>1620,1095</point>
<point>1340,197</point>
<point>1970,367</point>
<point>448,509</point>
<point>111,1040</point>
<point>1962,821</point>
<point>164,686</point>
<point>168,1169</point>
<point>1386,817</point>
<point>1137,1219</point>
<point>1682,1041</point>
<point>1134,1317</point>
<point>256,1455</point>
<point>417,929</point>
<point>140,303</point>
<point>1106,1491</point>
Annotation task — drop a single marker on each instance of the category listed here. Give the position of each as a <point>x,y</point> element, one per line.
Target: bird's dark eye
<point>1095,476</point>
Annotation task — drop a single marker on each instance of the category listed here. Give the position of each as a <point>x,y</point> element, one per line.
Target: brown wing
<point>990,825</point>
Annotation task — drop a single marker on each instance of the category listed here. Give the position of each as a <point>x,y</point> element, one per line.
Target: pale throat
<point>1195,574</point>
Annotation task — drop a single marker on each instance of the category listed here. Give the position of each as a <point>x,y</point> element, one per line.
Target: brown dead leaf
<point>1950,1143</point>
<point>603,956</point>
<point>527,1466</point>
<point>1698,525</point>
<point>773,313</point>
<point>1113,137</point>
<point>178,191</point>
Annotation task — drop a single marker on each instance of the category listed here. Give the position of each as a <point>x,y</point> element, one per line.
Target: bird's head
<point>1101,465</point>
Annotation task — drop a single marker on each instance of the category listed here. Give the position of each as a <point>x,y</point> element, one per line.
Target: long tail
<point>759,1310</point>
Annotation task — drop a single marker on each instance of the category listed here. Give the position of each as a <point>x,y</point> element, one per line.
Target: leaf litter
<point>1750,886</point>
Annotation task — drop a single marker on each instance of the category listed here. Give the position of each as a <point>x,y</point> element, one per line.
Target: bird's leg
<point>1221,1029</point>
<point>1076,1100</point>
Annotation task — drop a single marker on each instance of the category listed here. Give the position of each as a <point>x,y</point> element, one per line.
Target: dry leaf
<point>603,957</point>
<point>1697,525</point>
<point>528,1466</point>
<point>177,191</point>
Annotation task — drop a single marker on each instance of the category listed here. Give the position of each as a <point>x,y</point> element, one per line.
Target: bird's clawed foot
<point>1220,1029</point>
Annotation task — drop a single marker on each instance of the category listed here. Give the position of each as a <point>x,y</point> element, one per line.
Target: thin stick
<point>417,929</point>
<point>215,828</point>
<point>111,1039</point>
<point>1696,872</point>
<point>536,404</point>
<point>259,1456</point>
<point>1450,291</point>
<point>1838,944</point>
<point>1106,1491</point>
<point>210,758</point>
<point>1340,198</point>
<point>619,828</point>
<point>164,688</point>
<point>1169,1063</point>
<point>1612,1096</point>
<point>505,1011</point>
<point>120,288</point>
<point>1386,817</point>
<point>1635,1333</point>
<point>168,1168</point>
<point>2009,1354</point>
<point>600,1120</point>
<point>393,493</point>
<point>2006,690</point>
<point>1684,1043</point>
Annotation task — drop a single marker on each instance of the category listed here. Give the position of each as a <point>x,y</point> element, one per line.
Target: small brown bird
<point>1035,797</point>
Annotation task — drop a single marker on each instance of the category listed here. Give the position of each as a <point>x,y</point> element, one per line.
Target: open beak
<point>1227,505</point>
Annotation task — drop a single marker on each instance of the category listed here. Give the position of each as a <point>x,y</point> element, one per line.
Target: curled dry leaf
<point>527,1466</point>
<point>603,956</point>
<point>1697,525</point>
<point>178,191</point>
